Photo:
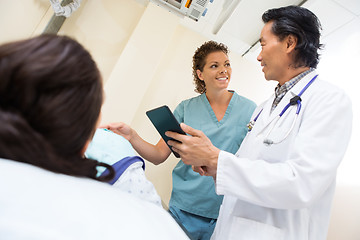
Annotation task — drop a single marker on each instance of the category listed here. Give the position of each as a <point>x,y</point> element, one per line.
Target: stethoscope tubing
<point>295,100</point>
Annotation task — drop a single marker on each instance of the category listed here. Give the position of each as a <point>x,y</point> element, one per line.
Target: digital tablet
<point>163,120</point>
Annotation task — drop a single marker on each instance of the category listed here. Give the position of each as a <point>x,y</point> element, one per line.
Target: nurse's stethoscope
<point>296,100</point>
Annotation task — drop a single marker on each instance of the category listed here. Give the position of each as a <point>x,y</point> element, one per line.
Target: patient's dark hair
<point>302,23</point>
<point>50,99</point>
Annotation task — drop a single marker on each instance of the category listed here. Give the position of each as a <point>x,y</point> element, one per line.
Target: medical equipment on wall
<point>194,9</point>
<point>296,100</point>
<point>66,10</point>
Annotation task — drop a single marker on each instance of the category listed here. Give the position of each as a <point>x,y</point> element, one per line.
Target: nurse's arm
<point>153,153</point>
<point>195,149</point>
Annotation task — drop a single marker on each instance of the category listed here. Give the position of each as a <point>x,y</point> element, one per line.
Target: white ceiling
<point>242,28</point>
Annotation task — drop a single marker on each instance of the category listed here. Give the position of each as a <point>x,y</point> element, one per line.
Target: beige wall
<point>22,18</point>
<point>104,28</point>
<point>145,56</point>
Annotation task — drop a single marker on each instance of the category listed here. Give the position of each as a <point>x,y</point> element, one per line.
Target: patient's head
<point>51,96</point>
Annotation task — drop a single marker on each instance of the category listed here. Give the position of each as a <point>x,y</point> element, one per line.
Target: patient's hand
<point>120,128</point>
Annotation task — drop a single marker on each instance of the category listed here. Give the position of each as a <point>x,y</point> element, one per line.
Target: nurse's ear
<point>199,74</point>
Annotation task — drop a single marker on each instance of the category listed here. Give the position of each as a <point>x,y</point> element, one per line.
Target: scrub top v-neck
<point>211,111</point>
<point>194,193</point>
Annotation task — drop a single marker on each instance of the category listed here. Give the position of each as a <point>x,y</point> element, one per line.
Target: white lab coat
<point>284,191</point>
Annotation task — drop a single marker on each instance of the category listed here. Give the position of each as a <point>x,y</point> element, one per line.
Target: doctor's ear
<point>291,42</point>
<point>199,74</point>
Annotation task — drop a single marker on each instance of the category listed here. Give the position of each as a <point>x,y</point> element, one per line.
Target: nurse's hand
<point>121,129</point>
<point>195,149</point>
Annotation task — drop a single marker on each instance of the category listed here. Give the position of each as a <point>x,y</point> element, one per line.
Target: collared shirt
<point>280,91</point>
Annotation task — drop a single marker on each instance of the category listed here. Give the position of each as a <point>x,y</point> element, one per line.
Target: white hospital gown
<point>110,148</point>
<point>134,181</point>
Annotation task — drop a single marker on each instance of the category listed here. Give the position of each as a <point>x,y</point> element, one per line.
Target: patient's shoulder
<point>50,204</point>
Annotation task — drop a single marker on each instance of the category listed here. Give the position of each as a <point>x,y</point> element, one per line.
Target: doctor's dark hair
<point>50,99</point>
<point>199,61</point>
<point>304,25</point>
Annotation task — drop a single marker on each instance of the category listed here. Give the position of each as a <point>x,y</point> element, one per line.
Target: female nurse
<point>222,115</point>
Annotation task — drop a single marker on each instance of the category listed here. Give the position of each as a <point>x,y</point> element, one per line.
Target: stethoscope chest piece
<point>251,124</point>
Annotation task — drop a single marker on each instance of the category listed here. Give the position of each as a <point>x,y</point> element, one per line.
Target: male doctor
<point>280,183</point>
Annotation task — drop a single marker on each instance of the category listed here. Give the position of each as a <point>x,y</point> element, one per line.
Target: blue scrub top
<point>194,193</point>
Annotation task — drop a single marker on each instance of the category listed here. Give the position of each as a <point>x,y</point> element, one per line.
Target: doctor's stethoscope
<point>296,100</point>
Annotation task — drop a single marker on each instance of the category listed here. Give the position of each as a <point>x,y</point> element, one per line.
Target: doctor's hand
<point>196,149</point>
<point>204,171</point>
<point>120,128</point>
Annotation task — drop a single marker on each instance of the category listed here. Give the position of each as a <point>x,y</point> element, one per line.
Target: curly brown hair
<point>199,61</point>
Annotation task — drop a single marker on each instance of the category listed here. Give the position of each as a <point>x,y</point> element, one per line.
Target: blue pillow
<point>108,147</point>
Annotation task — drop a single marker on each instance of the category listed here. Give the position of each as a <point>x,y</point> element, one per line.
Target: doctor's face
<point>216,72</point>
<point>273,56</point>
